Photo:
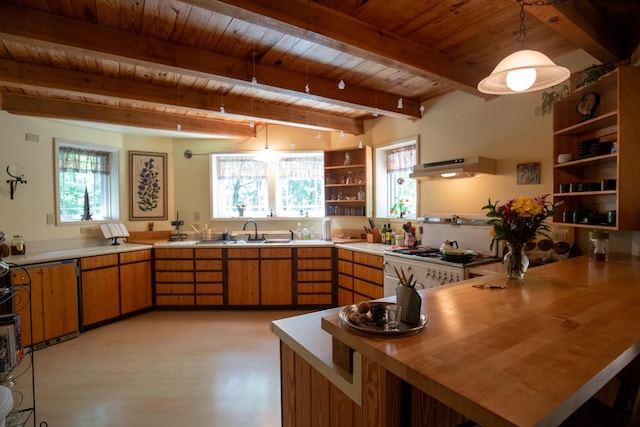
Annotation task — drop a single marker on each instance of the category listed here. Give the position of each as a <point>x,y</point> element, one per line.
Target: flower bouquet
<point>517,222</point>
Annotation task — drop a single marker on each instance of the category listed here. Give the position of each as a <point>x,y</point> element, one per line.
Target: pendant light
<point>523,71</point>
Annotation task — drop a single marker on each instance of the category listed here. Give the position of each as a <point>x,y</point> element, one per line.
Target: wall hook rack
<point>13,183</point>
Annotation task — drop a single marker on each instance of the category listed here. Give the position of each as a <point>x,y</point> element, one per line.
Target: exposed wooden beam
<point>29,76</point>
<point>583,25</point>
<point>39,28</point>
<point>61,109</point>
<point>322,25</point>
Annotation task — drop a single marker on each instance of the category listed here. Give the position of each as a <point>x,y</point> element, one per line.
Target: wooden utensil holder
<point>374,236</point>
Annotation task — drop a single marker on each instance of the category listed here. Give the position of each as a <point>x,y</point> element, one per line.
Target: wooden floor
<point>165,368</point>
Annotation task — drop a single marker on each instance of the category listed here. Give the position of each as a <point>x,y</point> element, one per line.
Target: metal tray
<point>404,328</point>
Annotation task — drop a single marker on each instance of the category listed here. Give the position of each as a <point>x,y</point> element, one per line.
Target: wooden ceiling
<point>167,64</point>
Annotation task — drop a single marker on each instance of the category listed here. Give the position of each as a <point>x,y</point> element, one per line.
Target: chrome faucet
<point>244,227</point>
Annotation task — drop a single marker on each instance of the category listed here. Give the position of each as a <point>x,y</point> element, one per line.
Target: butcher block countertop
<point>527,355</point>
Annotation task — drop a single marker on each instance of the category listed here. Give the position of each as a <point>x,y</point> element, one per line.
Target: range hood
<point>455,168</point>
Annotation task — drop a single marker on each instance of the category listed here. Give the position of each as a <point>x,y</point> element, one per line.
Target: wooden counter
<point>528,355</point>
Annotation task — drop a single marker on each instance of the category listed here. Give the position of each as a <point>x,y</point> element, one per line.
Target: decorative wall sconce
<point>13,183</point>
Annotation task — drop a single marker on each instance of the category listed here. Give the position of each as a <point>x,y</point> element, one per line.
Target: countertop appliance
<point>426,263</point>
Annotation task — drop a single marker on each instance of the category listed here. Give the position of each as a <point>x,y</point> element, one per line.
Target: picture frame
<point>528,173</point>
<point>147,186</point>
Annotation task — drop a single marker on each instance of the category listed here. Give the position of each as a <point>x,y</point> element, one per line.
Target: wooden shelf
<point>615,122</point>
<point>337,173</point>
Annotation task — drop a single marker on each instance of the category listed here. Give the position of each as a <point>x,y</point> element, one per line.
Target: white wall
<point>27,213</point>
<point>506,128</point>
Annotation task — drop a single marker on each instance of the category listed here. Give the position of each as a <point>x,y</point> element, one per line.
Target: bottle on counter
<point>598,245</point>
<point>305,233</point>
<point>17,245</point>
<point>299,231</point>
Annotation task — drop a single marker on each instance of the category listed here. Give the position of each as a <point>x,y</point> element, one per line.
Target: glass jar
<point>17,245</point>
<point>598,245</point>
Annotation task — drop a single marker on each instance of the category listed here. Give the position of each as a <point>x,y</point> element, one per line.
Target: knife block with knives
<point>374,236</point>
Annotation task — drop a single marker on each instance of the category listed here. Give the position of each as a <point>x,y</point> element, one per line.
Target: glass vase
<point>516,261</point>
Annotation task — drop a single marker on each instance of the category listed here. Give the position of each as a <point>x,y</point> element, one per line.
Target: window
<point>289,186</point>
<point>400,195</point>
<point>87,182</point>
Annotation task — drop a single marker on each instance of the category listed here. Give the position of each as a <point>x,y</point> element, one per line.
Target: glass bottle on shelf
<point>349,179</point>
<point>361,194</point>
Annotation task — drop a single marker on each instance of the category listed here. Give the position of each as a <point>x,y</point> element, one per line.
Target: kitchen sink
<point>282,241</point>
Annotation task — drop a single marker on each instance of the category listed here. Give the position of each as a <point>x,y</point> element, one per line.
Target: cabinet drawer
<point>171,253</point>
<point>345,267</point>
<point>313,299</point>
<point>314,264</point>
<point>275,253</point>
<point>367,273</point>
<point>368,259</point>
<point>345,254</point>
<point>209,253</point>
<point>208,264</point>
<point>345,297</point>
<point>174,288</point>
<point>174,276</point>
<point>208,276</point>
<point>209,300</point>
<point>98,261</point>
<point>162,264</point>
<point>243,253</point>
<point>345,281</point>
<point>175,300</point>
<point>314,276</point>
<point>314,252</point>
<point>314,288</point>
<point>134,256</point>
<point>368,289</point>
<point>208,288</point>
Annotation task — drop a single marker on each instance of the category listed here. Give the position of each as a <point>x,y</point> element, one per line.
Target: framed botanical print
<point>148,186</point>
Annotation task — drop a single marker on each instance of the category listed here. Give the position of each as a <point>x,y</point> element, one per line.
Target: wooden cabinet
<point>605,147</point>
<point>175,274</point>
<point>345,277</point>
<point>209,277</point>
<point>100,288</point>
<point>243,276</point>
<point>276,276</point>
<point>360,276</point>
<point>135,281</point>
<point>54,303</point>
<point>314,276</point>
<point>348,182</point>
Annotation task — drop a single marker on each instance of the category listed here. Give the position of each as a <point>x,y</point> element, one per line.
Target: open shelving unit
<point>348,181</point>
<point>614,135</point>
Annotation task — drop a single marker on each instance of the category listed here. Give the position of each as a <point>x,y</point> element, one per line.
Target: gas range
<point>426,263</point>
<point>435,256</point>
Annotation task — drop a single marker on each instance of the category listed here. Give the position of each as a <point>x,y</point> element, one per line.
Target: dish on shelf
<point>350,198</point>
<point>350,316</point>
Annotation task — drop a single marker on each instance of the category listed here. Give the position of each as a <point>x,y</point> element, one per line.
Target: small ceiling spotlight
<point>306,88</point>
<point>341,84</point>
<point>252,124</point>
<point>400,106</point>
<point>179,127</point>
<point>421,110</point>
<point>360,144</point>
<point>254,81</point>
<point>341,134</point>
<point>318,136</point>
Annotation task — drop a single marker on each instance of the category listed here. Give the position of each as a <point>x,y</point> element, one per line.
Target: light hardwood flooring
<point>165,368</point>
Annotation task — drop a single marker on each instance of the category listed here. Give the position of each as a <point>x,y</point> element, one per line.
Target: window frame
<point>382,201</point>
<point>271,185</point>
<point>115,178</point>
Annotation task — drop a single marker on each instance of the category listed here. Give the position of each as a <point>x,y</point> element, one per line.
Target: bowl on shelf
<point>565,157</point>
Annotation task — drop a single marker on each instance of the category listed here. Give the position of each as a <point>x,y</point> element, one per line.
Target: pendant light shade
<point>521,72</point>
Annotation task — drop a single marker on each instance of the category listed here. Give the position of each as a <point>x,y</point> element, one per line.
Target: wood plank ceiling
<point>216,66</point>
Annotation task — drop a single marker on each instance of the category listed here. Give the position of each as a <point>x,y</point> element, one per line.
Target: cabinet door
<point>275,282</point>
<point>32,323</point>
<point>59,300</point>
<point>135,286</point>
<point>100,295</point>
<point>244,282</point>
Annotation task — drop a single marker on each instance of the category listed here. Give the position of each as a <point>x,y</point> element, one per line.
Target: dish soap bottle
<point>305,233</point>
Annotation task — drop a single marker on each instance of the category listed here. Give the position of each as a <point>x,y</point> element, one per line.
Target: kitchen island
<point>527,355</point>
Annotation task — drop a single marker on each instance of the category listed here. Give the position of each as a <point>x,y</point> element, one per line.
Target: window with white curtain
<point>400,191</point>
<point>87,182</point>
<point>289,186</point>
